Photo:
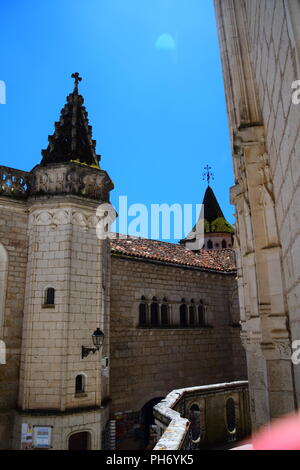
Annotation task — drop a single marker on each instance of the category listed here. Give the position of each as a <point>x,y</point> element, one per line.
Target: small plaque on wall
<point>42,437</point>
<point>26,437</point>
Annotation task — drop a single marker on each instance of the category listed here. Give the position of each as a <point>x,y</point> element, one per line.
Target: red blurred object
<point>283,434</point>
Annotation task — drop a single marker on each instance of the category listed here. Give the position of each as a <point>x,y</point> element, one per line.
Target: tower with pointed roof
<point>218,232</point>
<point>72,140</point>
<point>70,165</point>
<point>66,285</point>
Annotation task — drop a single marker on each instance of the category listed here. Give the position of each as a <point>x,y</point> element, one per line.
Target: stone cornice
<point>71,178</point>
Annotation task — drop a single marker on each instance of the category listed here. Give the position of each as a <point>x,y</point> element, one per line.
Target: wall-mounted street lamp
<point>98,338</point>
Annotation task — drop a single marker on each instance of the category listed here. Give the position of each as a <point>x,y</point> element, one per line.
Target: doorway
<point>148,423</point>
<point>80,441</point>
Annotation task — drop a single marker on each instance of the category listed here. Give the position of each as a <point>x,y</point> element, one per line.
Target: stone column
<point>265,328</point>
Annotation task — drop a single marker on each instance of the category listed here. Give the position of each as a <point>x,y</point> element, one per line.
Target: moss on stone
<point>219,225</point>
<point>85,164</point>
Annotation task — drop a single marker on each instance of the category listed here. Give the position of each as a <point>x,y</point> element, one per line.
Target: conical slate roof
<point>212,210</point>
<point>214,220</point>
<point>72,138</point>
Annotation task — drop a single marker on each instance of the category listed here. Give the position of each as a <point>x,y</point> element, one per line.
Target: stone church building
<point>169,315</point>
<point>260,51</point>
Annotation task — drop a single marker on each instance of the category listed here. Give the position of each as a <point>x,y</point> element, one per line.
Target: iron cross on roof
<point>77,79</point>
<point>208,175</point>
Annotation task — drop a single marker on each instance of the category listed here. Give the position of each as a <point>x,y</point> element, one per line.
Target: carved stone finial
<point>72,139</point>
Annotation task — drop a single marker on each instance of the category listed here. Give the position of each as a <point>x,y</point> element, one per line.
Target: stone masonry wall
<point>13,237</point>
<point>275,56</point>
<point>64,253</point>
<point>149,363</point>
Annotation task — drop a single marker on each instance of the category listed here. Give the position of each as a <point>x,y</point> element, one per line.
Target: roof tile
<point>221,260</point>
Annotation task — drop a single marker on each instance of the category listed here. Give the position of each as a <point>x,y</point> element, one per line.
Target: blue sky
<point>152,84</point>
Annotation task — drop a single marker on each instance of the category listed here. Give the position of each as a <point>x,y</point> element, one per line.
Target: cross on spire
<point>208,175</point>
<point>77,79</point>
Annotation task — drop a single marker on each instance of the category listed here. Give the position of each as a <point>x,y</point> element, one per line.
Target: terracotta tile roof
<point>222,260</point>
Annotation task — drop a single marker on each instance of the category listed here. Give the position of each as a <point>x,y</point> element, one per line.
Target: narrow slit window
<point>143,312</point>
<point>165,313</point>
<point>192,314</point>
<point>50,296</point>
<point>201,314</point>
<point>80,384</point>
<point>154,313</point>
<point>183,314</point>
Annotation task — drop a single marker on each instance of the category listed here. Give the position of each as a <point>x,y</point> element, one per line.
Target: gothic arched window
<point>154,312</point>
<point>194,418</point>
<point>49,296</point>
<point>80,383</point>
<point>165,313</point>
<point>192,314</point>
<point>201,314</point>
<point>230,415</point>
<point>183,314</point>
<point>143,312</point>
<point>224,244</point>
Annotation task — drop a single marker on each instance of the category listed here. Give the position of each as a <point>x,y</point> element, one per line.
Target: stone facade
<point>59,282</point>
<point>52,244</point>
<point>148,363</point>
<point>260,52</point>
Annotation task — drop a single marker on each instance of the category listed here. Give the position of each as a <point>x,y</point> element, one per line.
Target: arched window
<point>194,418</point>
<point>183,314</point>
<point>143,312</point>
<point>192,313</point>
<point>230,415</point>
<point>80,384</point>
<point>3,284</point>
<point>210,245</point>
<point>154,312</point>
<point>165,313</point>
<point>49,296</point>
<point>224,244</point>
<point>201,314</point>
